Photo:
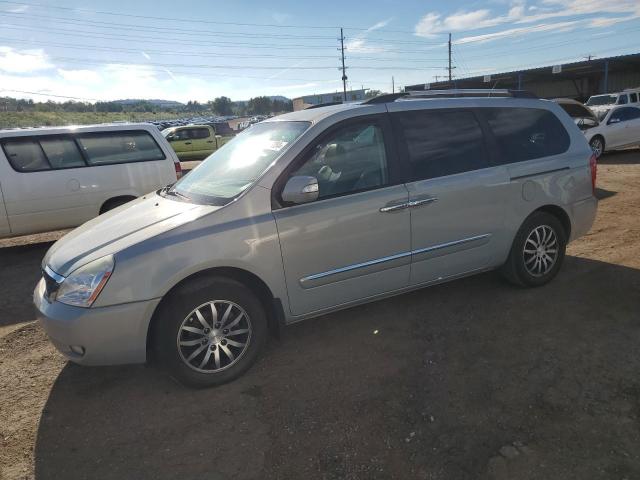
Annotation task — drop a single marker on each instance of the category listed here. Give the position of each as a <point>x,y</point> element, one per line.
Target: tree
<point>223,106</point>
<point>259,106</point>
<point>372,93</point>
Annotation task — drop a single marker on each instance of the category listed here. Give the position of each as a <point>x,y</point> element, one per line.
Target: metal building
<point>578,80</point>
<point>301,103</point>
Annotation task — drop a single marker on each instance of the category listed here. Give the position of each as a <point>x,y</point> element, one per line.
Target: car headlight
<point>82,286</point>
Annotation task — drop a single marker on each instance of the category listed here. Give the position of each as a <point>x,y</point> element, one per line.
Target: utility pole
<point>393,85</point>
<point>344,73</point>
<point>450,68</point>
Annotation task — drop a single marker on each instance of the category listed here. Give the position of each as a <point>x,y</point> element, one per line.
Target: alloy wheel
<point>540,250</point>
<point>596,146</point>
<point>214,336</point>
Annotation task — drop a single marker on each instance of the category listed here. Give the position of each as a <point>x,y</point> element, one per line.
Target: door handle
<point>424,201</point>
<point>394,207</point>
<point>187,143</point>
<point>209,141</point>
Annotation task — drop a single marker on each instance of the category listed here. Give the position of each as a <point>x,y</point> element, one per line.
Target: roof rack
<point>451,93</point>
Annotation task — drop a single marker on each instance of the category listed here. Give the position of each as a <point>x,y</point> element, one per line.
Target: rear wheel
<point>537,251</point>
<point>597,145</point>
<point>210,332</point>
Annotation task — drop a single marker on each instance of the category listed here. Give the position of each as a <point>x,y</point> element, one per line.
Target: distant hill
<point>157,102</point>
<point>270,97</point>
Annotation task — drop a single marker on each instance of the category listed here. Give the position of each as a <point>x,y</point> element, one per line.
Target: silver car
<point>315,211</point>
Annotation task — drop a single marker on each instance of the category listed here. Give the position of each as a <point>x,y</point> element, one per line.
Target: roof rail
<point>387,97</point>
<point>319,105</point>
<point>451,93</point>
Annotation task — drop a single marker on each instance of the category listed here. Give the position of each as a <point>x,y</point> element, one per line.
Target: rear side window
<point>197,133</point>
<point>441,142</point>
<point>633,97</point>
<point>526,133</point>
<point>62,152</point>
<point>25,155</point>
<point>119,147</point>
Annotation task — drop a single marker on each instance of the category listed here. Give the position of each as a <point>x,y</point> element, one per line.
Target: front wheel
<point>211,331</point>
<point>537,251</point>
<point>597,145</point>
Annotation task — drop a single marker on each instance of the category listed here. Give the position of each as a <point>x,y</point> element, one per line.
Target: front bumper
<point>96,336</point>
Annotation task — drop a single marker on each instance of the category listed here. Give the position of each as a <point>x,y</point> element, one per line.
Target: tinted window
<point>350,160</point>
<point>25,155</point>
<point>62,152</point>
<point>526,133</point>
<point>624,114</point>
<point>119,147</point>
<point>622,100</point>
<point>197,133</point>
<point>180,134</point>
<point>441,142</point>
<point>633,97</point>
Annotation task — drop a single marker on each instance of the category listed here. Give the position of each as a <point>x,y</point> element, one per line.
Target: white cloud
<point>23,61</point>
<point>434,23</point>
<point>358,44</point>
<point>80,76</point>
<point>519,31</point>
<point>18,9</point>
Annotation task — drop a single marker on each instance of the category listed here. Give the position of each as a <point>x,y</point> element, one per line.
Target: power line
<point>191,31</point>
<point>51,95</point>
<point>164,40</point>
<point>137,51</point>
<point>191,20</point>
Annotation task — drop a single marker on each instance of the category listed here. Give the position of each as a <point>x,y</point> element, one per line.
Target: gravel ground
<point>474,379</point>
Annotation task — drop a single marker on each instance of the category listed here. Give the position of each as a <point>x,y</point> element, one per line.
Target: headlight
<point>82,287</point>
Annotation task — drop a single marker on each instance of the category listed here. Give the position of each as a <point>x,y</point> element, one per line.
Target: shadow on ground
<point>19,274</point>
<point>621,157</point>
<point>429,384</point>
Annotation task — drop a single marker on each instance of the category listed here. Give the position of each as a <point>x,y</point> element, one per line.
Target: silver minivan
<point>315,211</point>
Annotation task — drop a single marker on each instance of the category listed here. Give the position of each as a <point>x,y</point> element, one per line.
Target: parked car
<point>191,142</point>
<point>55,178</point>
<point>601,104</point>
<point>620,128</point>
<point>582,115</point>
<point>315,211</point>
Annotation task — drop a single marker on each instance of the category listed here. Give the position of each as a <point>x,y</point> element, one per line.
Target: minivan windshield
<point>235,166</point>
<point>602,100</point>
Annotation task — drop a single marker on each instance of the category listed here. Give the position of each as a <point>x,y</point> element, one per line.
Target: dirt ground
<point>474,379</point>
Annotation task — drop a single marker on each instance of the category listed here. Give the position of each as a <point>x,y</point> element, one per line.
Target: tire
<point>597,145</point>
<point>527,266</point>
<point>204,356</point>
<point>115,203</point>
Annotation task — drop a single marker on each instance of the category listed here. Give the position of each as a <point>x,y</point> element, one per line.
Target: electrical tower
<point>344,73</point>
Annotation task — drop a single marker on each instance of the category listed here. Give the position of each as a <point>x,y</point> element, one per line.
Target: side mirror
<point>300,189</point>
<point>171,138</point>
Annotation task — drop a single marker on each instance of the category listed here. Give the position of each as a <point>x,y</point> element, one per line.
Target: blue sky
<point>198,50</point>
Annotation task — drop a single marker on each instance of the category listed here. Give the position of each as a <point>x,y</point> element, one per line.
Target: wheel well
<point>271,305</point>
<point>560,214</point>
<point>111,201</point>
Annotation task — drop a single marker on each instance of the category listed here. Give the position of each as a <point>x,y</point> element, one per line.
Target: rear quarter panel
<point>562,180</point>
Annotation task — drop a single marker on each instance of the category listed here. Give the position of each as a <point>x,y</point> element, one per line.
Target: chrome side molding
<point>308,281</point>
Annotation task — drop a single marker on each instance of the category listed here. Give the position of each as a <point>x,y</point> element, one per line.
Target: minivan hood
<point>113,231</point>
